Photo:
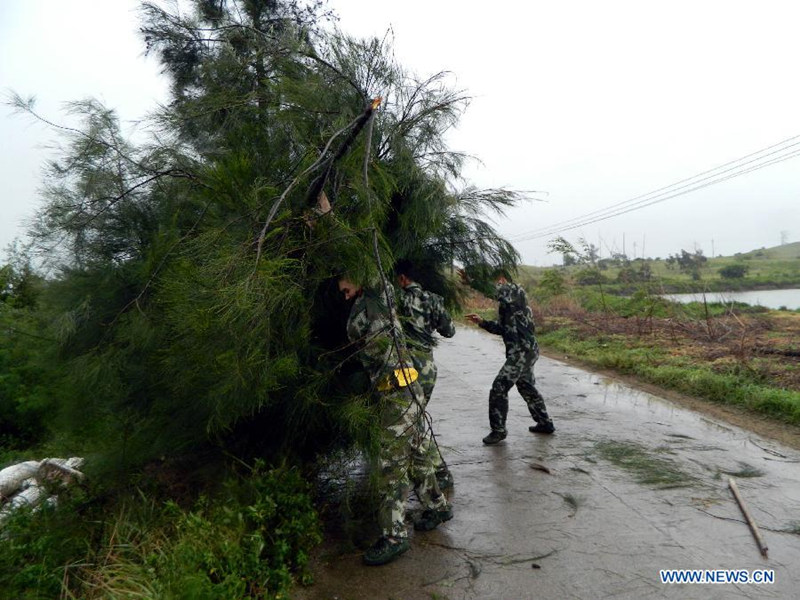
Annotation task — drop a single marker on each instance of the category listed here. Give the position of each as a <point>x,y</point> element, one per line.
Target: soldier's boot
<point>430,518</point>
<point>542,428</point>
<point>444,478</point>
<point>494,437</point>
<point>385,550</point>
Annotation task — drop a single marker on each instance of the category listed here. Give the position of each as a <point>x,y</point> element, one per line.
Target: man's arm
<point>443,321</point>
<point>490,326</point>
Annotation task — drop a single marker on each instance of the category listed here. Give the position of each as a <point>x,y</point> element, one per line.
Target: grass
<point>251,541</point>
<point>654,362</point>
<point>744,471</point>
<point>647,467</point>
<point>777,267</point>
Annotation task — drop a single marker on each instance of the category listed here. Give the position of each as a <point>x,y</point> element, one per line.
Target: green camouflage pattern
<point>423,363</point>
<point>370,327</point>
<point>403,461</point>
<point>515,324</point>
<point>422,314</point>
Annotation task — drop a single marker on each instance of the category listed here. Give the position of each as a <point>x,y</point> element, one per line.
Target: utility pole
<point>712,248</point>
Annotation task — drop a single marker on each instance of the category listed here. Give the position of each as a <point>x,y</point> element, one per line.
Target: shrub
<point>553,283</point>
<point>590,277</point>
<point>251,541</point>
<point>737,271</point>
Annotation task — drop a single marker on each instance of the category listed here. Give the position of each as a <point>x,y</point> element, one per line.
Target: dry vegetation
<point>766,343</point>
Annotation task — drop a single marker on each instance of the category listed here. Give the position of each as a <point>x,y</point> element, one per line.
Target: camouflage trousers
<point>403,463</point>
<point>517,370</point>
<point>423,362</point>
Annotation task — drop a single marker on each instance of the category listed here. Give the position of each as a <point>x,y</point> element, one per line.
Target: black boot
<point>494,437</point>
<point>385,550</point>
<point>542,428</point>
<point>430,519</point>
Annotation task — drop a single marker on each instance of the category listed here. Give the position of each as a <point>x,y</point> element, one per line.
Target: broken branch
<point>753,527</point>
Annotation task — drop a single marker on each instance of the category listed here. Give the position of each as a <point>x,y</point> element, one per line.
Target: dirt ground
<point>633,483</point>
<point>766,344</point>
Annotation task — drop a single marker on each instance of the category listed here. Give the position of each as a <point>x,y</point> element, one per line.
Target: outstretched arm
<point>490,326</point>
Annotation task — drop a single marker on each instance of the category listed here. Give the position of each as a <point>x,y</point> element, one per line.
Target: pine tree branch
<point>112,200</point>
<point>21,105</point>
<point>355,126</point>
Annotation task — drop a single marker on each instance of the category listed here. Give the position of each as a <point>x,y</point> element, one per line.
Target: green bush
<point>253,544</point>
<point>251,540</point>
<point>737,271</point>
<point>37,547</point>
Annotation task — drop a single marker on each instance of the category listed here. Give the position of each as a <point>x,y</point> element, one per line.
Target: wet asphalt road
<point>636,485</point>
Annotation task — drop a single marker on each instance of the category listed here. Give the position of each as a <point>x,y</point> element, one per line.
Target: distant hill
<point>784,252</point>
<point>781,252</point>
<point>777,267</point>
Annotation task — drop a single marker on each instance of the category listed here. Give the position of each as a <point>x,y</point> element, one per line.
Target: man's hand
<point>474,318</point>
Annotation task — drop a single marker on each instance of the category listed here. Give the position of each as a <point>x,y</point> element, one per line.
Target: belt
<point>400,378</point>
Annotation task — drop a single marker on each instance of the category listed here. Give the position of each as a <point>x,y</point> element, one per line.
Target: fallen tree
<point>31,483</point>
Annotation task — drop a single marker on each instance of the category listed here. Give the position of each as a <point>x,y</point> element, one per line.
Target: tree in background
<point>25,393</point>
<point>687,262</point>
<point>192,297</point>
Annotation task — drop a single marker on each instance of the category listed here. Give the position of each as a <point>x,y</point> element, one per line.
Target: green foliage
<point>770,268</point>
<point>586,254</point>
<point>254,543</point>
<point>553,283</point>
<point>38,545</point>
<point>736,271</point>
<point>190,299</point>
<point>629,273</point>
<point>688,262</point>
<point>25,377</point>
<point>648,468</point>
<point>190,306</point>
<point>251,539</point>
<point>591,276</point>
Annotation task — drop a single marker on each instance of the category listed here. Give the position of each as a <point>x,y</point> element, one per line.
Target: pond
<point>767,298</point>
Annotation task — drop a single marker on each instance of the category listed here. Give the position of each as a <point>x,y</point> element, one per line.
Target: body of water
<point>767,298</point>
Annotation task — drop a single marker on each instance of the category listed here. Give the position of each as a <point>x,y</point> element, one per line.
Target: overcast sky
<point>590,103</point>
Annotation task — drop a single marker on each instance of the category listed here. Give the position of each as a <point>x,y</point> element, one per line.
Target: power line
<point>622,211</point>
<point>645,198</point>
<point>671,191</point>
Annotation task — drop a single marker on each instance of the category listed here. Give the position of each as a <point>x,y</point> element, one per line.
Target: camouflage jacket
<point>515,322</point>
<point>369,326</point>
<point>422,313</point>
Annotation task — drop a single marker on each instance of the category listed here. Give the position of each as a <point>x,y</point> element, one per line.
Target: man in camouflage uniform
<point>516,325</point>
<point>422,313</point>
<point>370,325</point>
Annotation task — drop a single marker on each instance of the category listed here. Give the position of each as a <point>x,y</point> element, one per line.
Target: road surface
<point>636,485</point>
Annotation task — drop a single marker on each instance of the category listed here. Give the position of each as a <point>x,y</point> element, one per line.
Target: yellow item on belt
<point>400,378</point>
